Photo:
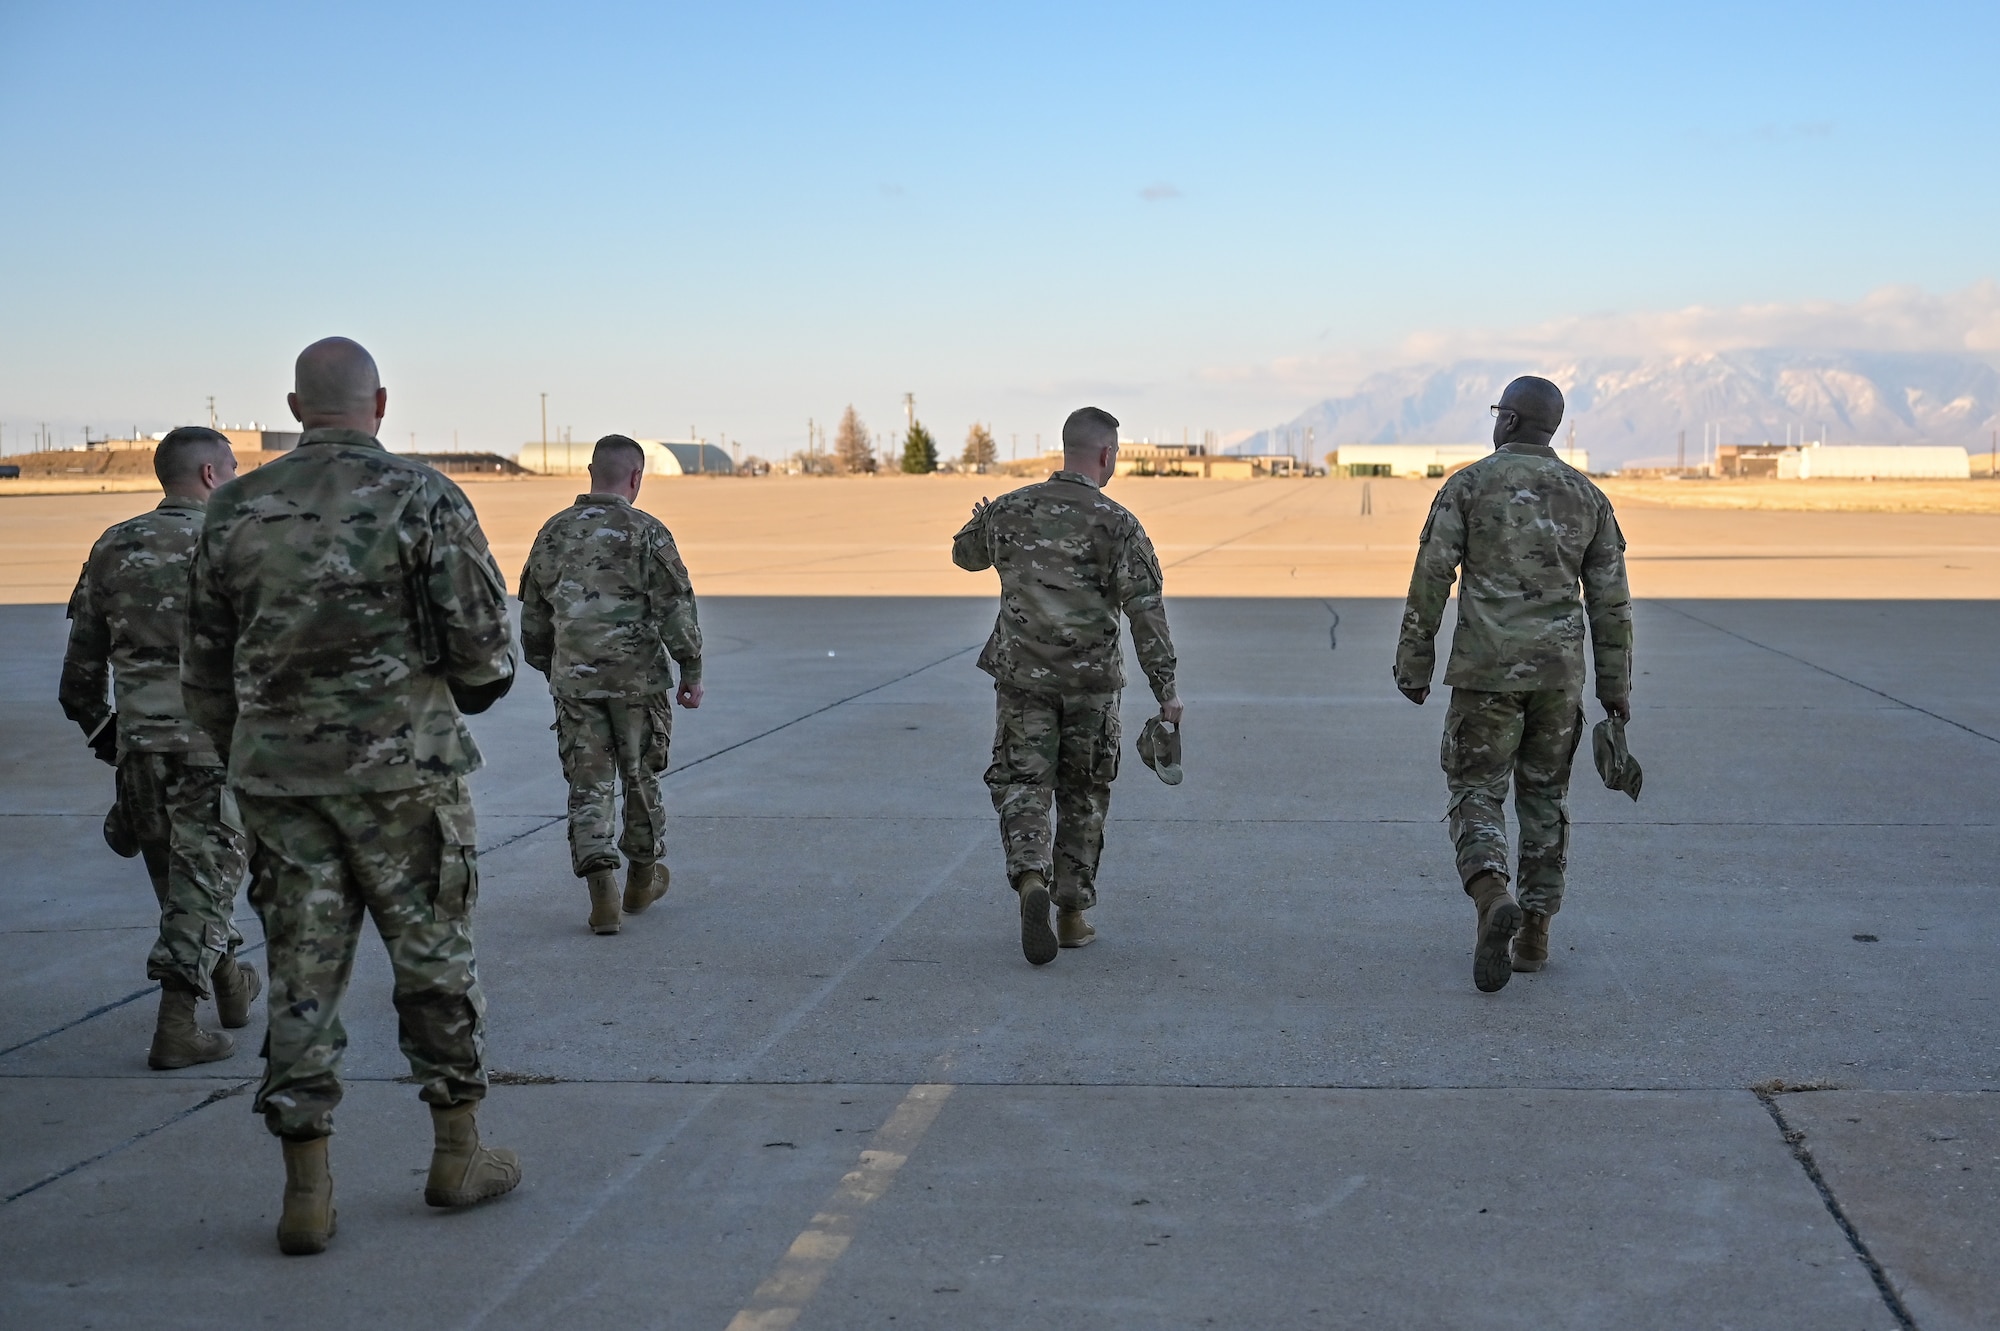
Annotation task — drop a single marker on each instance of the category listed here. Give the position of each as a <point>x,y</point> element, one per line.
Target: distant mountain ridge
<point>1629,410</point>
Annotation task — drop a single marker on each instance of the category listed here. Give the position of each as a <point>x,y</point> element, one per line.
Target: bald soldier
<point>1538,556</point>
<point>125,645</point>
<point>1070,562</point>
<point>344,611</point>
<point>606,604</point>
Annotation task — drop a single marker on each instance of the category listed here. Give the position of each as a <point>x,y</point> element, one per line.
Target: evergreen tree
<point>919,451</point>
<point>980,450</point>
<point>851,444</point>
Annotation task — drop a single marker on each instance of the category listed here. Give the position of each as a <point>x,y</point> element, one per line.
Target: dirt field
<point>890,536</point>
<point>1810,496</point>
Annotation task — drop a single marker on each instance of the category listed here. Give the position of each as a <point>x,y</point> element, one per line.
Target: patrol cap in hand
<point>1615,762</point>
<point>1160,748</point>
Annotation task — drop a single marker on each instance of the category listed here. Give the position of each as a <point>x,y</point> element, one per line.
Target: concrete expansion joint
<point>1795,1139</point>
<point>217,1096</point>
<point>247,950</point>
<point>1831,674</point>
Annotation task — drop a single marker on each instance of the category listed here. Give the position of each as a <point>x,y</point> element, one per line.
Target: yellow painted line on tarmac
<point>784,1294</point>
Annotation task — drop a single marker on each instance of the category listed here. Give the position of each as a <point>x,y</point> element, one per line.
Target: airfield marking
<point>783,1295</point>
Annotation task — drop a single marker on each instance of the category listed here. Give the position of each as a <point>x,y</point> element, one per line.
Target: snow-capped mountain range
<point>1630,411</point>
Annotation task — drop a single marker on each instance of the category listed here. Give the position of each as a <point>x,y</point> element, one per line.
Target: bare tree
<point>980,450</point>
<point>852,444</point>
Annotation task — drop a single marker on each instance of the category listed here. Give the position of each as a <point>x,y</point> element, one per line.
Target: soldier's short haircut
<point>1538,402</point>
<point>617,455</point>
<point>1086,429</point>
<point>178,459</point>
<point>337,375</point>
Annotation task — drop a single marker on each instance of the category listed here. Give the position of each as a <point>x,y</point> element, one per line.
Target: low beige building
<point>1142,459</point>
<point>664,457</point>
<point>1425,460</point>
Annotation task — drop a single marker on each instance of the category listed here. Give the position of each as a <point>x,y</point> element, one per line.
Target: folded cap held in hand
<point>1160,748</point>
<point>1615,762</point>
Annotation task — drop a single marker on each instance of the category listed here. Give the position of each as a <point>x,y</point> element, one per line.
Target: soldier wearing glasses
<point>1538,555</point>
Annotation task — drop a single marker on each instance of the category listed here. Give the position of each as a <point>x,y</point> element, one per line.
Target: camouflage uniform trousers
<point>406,858</point>
<point>1531,736</point>
<point>605,742</point>
<point>174,810</point>
<point>1060,745</point>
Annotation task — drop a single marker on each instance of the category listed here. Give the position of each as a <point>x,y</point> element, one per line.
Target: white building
<point>664,457</point>
<point>1421,460</point>
<point>1903,462</point>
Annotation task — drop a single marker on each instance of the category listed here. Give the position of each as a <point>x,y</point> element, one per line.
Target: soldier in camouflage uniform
<point>1070,561</point>
<point>125,641</point>
<point>344,610</point>
<point>1524,531</point>
<point>605,602</point>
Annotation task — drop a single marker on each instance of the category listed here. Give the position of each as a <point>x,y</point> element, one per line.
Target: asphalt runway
<point>818,1086</point>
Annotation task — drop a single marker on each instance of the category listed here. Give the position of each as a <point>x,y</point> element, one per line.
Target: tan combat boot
<point>178,1042</point>
<point>1038,941</point>
<point>1531,945</point>
<point>236,983</point>
<point>644,884</point>
<point>1499,919</point>
<point>463,1171</point>
<point>1072,930</point>
<point>604,901</point>
<point>308,1220</point>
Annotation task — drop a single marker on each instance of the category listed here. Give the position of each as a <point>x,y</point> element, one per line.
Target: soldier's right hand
<point>1620,710</point>
<point>1416,696</point>
<point>1171,709</point>
<point>105,742</point>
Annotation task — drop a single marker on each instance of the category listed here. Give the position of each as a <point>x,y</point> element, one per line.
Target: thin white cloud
<point>1893,318</point>
<point>1160,192</point>
<point>1896,318</point>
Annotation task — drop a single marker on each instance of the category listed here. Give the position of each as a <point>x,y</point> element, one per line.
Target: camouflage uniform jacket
<point>339,594</point>
<point>605,600</point>
<point>1069,560</point>
<point>1526,529</point>
<point>125,634</point>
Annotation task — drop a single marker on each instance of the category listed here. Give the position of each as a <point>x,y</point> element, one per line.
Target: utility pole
<point>1681,453</point>
<point>909,411</point>
<point>211,411</point>
<point>545,434</point>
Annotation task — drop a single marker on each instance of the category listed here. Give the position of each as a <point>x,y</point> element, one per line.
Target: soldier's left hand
<point>1621,710</point>
<point>105,742</point>
<point>1416,696</point>
<point>688,695</point>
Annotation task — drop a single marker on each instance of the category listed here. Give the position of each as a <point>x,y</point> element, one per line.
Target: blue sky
<point>738,217</point>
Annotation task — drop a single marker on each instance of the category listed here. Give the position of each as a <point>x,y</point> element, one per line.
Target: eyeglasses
<point>1496,409</point>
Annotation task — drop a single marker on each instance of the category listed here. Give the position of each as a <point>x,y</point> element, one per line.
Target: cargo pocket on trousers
<point>458,862</point>
<point>1448,744</point>
<point>659,732</point>
<point>1105,769</point>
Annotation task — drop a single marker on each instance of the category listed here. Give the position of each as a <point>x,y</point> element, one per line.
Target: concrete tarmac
<point>818,1086</point>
